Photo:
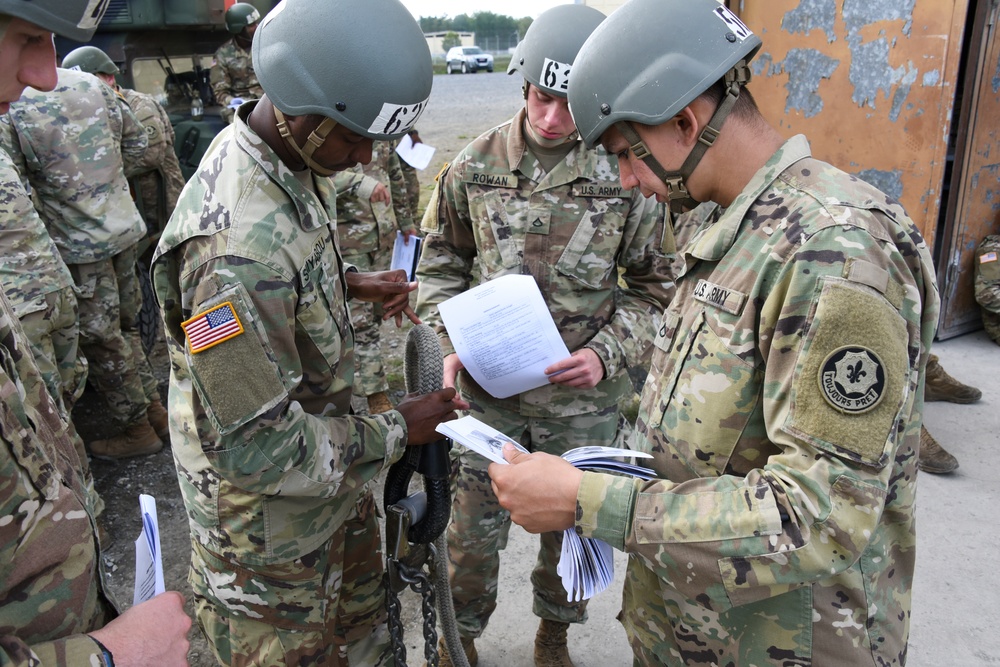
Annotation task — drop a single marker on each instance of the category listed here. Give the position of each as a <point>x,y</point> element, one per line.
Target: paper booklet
<point>148,559</point>
<point>586,565</point>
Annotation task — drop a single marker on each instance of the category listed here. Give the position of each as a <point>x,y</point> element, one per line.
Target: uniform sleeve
<point>397,190</point>
<point>73,651</point>
<point>812,509</point>
<point>134,141</point>
<point>222,83</point>
<point>260,437</point>
<point>448,252</point>
<point>355,184</point>
<point>644,268</point>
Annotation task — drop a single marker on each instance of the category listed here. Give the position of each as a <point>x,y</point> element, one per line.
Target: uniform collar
<point>578,164</point>
<point>716,241</point>
<point>314,210</point>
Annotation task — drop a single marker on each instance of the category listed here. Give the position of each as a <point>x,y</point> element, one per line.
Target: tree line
<point>494,32</point>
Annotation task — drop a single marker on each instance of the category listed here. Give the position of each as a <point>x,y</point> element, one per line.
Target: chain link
<point>421,583</point>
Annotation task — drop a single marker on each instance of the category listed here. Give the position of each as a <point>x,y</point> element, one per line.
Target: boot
<point>550,645</point>
<point>939,386</point>
<point>138,439</point>
<point>468,645</point>
<point>379,403</point>
<point>933,457</point>
<point>157,416</point>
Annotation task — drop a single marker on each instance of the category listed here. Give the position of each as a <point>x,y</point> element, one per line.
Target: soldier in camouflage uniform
<point>412,180</point>
<point>232,73</point>
<point>987,284</point>
<point>53,603</point>
<point>77,169</point>
<point>529,198</point>
<point>372,203</point>
<point>274,468</point>
<point>784,401</point>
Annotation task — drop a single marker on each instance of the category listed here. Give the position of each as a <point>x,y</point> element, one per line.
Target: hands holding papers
<point>540,492</point>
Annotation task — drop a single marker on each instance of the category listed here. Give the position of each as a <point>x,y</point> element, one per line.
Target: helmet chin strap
<point>314,141</point>
<point>679,198</point>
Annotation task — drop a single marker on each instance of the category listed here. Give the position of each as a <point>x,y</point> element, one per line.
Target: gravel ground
<point>461,107</point>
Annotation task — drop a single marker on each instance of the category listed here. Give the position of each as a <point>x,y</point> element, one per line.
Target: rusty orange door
<point>871,83</point>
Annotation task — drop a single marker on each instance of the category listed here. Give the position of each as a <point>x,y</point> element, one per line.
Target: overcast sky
<point>514,8</point>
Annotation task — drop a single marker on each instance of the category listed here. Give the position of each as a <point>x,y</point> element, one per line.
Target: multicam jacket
<point>575,230</point>
<point>51,591</point>
<point>269,456</point>
<point>364,226</point>
<point>30,265</point>
<point>783,408</point>
<point>233,76</point>
<point>159,174</point>
<point>76,140</point>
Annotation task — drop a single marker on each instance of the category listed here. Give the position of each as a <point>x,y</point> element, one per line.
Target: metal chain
<point>420,582</point>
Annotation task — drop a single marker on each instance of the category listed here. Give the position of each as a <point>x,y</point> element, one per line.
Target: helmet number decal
<point>92,14</point>
<point>555,75</point>
<point>397,118</point>
<point>735,24</point>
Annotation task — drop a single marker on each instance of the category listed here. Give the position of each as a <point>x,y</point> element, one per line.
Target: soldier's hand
<point>583,369</point>
<point>539,490</point>
<point>390,288</point>
<point>151,633</point>
<point>380,194</point>
<point>452,365</point>
<point>422,412</point>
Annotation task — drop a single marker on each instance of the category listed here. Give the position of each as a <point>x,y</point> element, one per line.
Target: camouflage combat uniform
<point>412,181</point>
<point>987,284</point>
<point>51,591</point>
<point>783,407</point>
<point>77,169</point>
<point>159,177</point>
<point>233,76</point>
<point>273,466</point>
<point>572,228</point>
<point>367,231</point>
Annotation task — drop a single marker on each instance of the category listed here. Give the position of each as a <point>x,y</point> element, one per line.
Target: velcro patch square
<point>214,326</point>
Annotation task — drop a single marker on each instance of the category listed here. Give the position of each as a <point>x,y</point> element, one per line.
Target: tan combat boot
<point>468,645</point>
<point>939,386</point>
<point>138,439</point>
<point>550,645</point>
<point>379,403</point>
<point>933,457</point>
<point>157,416</point>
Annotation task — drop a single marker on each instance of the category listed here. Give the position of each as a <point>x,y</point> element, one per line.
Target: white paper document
<point>586,565</point>
<point>405,255</point>
<point>417,156</point>
<point>148,560</point>
<point>503,332</point>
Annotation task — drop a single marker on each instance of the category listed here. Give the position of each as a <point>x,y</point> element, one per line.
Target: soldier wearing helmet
<point>54,609</point>
<point>274,466</point>
<point>528,197</point>
<point>784,401</point>
<point>233,75</point>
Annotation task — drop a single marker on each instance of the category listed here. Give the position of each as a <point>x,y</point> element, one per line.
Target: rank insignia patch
<point>852,379</point>
<point>212,327</point>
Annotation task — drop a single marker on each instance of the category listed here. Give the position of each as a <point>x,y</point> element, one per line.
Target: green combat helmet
<point>89,59</point>
<point>546,54</point>
<point>73,19</point>
<point>241,15</point>
<point>316,57</point>
<point>649,60</point>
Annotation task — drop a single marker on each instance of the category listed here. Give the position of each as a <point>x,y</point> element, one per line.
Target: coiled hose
<point>424,371</point>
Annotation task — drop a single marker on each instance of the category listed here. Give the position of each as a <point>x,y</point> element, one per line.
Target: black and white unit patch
<point>852,379</point>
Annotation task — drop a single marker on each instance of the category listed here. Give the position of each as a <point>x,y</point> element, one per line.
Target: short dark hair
<point>746,106</point>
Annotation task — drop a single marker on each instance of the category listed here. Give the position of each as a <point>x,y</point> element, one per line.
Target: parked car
<point>468,59</point>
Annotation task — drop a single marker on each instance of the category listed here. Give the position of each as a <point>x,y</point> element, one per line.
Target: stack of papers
<point>586,565</point>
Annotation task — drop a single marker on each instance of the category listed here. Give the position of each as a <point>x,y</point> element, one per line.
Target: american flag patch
<point>988,257</point>
<point>212,327</point>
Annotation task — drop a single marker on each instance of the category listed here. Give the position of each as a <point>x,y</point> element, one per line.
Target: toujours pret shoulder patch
<point>214,326</point>
<point>852,379</point>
